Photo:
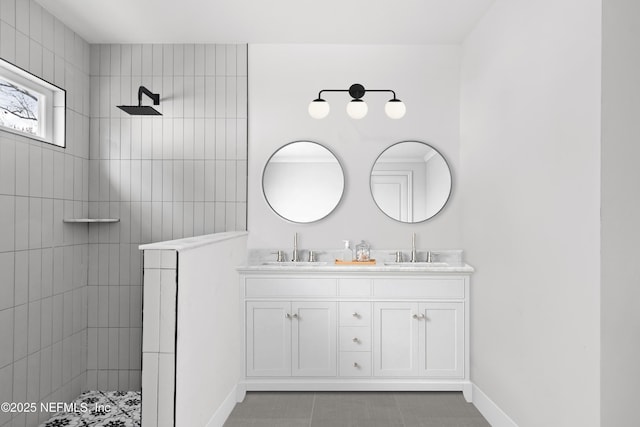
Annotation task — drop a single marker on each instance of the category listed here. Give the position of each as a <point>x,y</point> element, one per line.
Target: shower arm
<point>154,96</point>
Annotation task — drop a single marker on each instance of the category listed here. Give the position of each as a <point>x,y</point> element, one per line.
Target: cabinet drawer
<point>355,338</point>
<point>355,313</point>
<point>289,287</point>
<point>428,288</point>
<point>354,287</point>
<point>355,364</point>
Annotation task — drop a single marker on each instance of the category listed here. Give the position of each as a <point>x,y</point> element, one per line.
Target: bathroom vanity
<point>383,327</point>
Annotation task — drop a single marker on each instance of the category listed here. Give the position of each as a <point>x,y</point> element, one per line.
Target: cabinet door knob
<point>415,316</point>
<point>287,315</point>
<point>355,314</point>
<point>355,340</point>
<point>295,315</point>
<point>418,316</point>
<point>355,365</point>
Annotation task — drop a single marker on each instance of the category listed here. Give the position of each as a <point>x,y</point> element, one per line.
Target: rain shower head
<point>143,110</point>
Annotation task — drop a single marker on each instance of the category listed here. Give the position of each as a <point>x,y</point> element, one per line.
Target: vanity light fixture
<point>357,108</point>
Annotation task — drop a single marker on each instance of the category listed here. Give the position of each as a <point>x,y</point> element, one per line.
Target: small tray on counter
<point>370,262</point>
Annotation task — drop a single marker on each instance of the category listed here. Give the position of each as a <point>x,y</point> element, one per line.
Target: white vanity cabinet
<point>291,338</point>
<point>375,328</point>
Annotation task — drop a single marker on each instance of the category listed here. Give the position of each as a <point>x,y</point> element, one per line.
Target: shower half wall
<point>166,177</point>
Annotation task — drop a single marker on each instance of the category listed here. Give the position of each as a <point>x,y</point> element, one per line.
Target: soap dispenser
<point>347,254</point>
<point>362,252</point>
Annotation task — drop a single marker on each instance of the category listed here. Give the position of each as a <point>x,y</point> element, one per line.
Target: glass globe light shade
<point>357,109</point>
<point>319,108</point>
<point>395,109</point>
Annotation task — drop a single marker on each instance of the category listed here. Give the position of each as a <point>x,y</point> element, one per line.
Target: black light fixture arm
<point>154,96</point>
<point>356,91</point>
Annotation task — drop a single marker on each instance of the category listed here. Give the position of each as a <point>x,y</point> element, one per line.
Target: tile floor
<point>355,409</point>
<point>122,410</point>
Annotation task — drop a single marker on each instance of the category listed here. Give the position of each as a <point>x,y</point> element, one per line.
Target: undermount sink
<point>296,263</point>
<point>417,264</point>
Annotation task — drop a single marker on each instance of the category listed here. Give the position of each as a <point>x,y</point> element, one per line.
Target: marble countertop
<point>330,267</point>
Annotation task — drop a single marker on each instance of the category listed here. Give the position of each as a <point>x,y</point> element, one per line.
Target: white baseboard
<point>492,412</point>
<point>224,410</point>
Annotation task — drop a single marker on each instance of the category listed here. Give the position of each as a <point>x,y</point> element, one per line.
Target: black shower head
<point>143,110</point>
<point>139,110</point>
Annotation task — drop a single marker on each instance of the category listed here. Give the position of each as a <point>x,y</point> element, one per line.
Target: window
<point>30,106</point>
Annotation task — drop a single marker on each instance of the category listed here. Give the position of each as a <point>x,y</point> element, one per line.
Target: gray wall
<point>43,263</point>
<point>530,162</point>
<point>178,175</point>
<point>620,292</point>
<point>285,78</point>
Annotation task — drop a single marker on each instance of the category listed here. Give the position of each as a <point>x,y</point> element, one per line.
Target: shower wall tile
<point>177,175</point>
<point>43,288</point>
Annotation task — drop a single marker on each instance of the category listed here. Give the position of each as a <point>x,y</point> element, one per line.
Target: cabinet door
<point>395,339</point>
<point>268,338</point>
<point>442,339</point>
<point>314,338</point>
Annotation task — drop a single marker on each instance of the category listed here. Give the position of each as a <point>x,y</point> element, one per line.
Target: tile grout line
<point>313,405</point>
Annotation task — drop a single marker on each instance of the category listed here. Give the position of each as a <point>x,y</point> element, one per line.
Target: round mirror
<point>303,182</point>
<point>410,181</point>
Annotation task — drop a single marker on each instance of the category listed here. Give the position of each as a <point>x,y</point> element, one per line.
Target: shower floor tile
<point>100,409</point>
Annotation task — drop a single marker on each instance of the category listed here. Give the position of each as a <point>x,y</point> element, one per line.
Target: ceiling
<point>270,21</point>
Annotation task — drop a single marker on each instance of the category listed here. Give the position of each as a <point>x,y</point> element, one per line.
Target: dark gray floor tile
<point>434,405</point>
<point>274,405</point>
<point>356,406</point>
<point>478,421</point>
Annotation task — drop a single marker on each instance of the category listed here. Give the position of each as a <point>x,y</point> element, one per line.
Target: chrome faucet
<point>294,256</point>
<point>413,248</point>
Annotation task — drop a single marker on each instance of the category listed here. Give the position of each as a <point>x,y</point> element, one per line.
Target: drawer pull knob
<point>356,340</point>
<point>295,315</point>
<point>287,315</point>
<point>355,365</point>
<point>356,314</point>
<point>418,316</point>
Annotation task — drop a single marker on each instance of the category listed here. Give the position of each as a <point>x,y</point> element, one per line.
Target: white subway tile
<point>46,317</point>
<point>6,336</point>
<point>199,181</point>
<point>209,180</point>
<point>136,60</point>
<point>35,58</point>
<point>47,173</point>
<point>221,60</point>
<point>22,168</point>
<point>34,327</point>
<point>242,59</point>
<point>210,96</point>
<point>231,59</point>
<point>166,392</point>
<point>178,181</point>
<point>103,348</point>
<point>220,180</point>
<point>92,349</point>
<point>178,220</point>
<point>7,260</point>
<point>187,220</point>
<point>199,96</point>
<point>167,312</point>
<point>178,96</point>
<point>114,306</point>
<point>21,223</point>
<point>218,140</point>
<point>33,377</point>
<point>35,275</point>
<point>7,166</point>
<point>22,16</point>
<point>7,39</point>
<point>151,310</point>
<point>8,11</point>
<point>230,142</point>
<point>7,223</point>
<point>221,96</point>
<point>157,60</point>
<point>209,218</point>
<point>150,374</point>
<point>114,353</point>
<point>21,331</point>
<point>198,218</point>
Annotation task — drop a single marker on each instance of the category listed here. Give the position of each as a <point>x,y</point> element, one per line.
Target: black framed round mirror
<point>303,182</point>
<point>410,181</point>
